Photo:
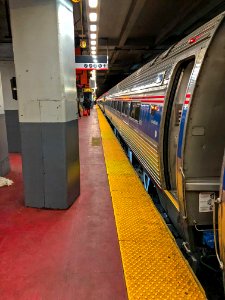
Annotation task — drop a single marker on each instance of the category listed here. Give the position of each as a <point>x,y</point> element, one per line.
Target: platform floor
<point>62,255</point>
<point>76,254</point>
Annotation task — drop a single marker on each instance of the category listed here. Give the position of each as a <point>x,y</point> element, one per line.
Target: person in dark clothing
<point>87,105</point>
<point>78,107</point>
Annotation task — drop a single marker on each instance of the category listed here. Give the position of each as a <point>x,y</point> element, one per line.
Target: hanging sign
<point>89,62</point>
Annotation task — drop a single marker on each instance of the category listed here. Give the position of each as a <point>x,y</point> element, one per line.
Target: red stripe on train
<point>152,99</point>
<point>140,97</point>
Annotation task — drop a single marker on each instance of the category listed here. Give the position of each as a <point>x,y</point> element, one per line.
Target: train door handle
<point>182,172</point>
<point>184,202</point>
<point>216,201</point>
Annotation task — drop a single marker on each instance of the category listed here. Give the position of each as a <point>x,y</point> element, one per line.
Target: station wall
<point>7,70</point>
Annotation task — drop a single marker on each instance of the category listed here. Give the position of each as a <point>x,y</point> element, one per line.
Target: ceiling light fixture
<point>93,3</point>
<point>93,36</point>
<point>93,52</point>
<point>93,27</point>
<point>93,17</point>
<point>93,47</point>
<point>93,43</point>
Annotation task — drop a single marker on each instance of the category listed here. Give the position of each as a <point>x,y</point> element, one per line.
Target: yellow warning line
<point>153,265</point>
<point>175,203</point>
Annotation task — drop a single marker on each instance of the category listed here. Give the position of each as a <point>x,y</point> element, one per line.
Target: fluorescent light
<point>93,47</point>
<point>93,27</point>
<point>93,52</point>
<point>93,3</point>
<point>93,17</point>
<point>93,36</point>
<point>93,43</point>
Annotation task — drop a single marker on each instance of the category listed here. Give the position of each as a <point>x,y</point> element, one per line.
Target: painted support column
<point>43,43</point>
<point>4,161</point>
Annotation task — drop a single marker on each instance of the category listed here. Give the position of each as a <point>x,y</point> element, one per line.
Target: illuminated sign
<point>91,62</point>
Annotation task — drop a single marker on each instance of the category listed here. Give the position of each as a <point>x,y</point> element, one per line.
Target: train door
<point>172,122</point>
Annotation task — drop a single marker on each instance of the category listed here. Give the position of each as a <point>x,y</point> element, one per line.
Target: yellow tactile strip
<point>153,265</point>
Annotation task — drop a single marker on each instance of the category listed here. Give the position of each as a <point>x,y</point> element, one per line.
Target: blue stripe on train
<point>181,133</point>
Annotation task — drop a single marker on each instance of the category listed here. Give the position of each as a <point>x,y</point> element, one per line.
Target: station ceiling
<point>132,32</point>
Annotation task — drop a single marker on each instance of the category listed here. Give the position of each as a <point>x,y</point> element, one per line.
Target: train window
<point>125,108</point>
<point>135,110</point>
<point>114,104</point>
<point>119,106</point>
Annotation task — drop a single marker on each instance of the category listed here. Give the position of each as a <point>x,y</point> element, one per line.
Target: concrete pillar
<point>43,44</point>
<point>7,70</point>
<point>4,161</point>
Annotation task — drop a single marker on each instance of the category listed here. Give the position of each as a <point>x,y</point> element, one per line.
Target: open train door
<point>221,223</point>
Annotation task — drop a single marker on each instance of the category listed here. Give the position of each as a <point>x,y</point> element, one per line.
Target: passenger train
<point>171,115</point>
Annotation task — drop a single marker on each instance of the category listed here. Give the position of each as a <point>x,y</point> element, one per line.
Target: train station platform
<point>111,244</point>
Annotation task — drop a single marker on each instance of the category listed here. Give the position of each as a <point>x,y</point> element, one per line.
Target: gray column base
<point>51,168</point>
<point>4,161</point>
<point>13,130</point>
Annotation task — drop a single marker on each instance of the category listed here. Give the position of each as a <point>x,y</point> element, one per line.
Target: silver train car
<point>171,114</point>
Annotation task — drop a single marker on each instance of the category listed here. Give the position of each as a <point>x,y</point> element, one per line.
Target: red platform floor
<point>72,254</point>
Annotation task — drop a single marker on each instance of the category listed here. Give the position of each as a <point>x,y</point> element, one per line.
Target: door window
<point>173,116</point>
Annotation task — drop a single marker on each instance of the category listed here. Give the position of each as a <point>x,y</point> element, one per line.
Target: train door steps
<point>153,265</point>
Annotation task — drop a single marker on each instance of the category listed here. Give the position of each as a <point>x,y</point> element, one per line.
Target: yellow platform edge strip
<point>172,199</point>
<point>154,267</point>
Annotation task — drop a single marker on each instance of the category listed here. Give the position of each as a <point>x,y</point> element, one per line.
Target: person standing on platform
<point>78,107</point>
<point>87,105</point>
